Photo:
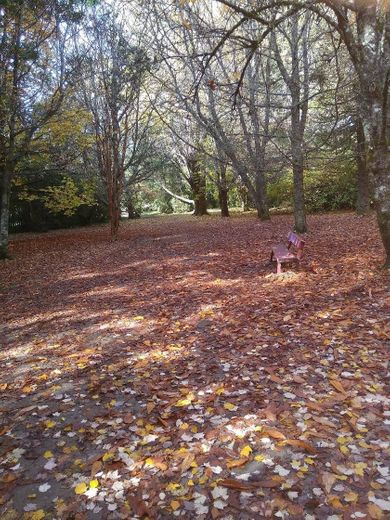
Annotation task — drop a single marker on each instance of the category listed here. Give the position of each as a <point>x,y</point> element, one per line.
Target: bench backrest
<point>297,242</point>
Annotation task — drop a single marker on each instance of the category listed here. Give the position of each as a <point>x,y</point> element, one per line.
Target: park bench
<point>283,254</point>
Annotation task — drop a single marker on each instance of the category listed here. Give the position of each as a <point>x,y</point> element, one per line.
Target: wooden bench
<point>282,254</point>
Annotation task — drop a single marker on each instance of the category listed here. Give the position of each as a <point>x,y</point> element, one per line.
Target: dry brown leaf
<point>300,444</point>
<point>324,421</point>
<point>128,418</point>
<point>374,511</point>
<point>274,434</point>
<point>186,464</point>
<point>338,386</point>
<point>327,480</point>
<point>314,406</point>
<point>96,467</point>
<point>150,406</point>
<point>236,463</point>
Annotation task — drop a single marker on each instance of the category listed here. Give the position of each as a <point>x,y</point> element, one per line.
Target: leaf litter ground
<point>172,374</point>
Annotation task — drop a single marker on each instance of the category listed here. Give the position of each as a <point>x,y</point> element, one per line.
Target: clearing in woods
<point>173,374</point>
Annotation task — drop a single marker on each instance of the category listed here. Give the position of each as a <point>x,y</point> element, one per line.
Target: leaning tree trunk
<point>4,214</point>
<point>362,175</point>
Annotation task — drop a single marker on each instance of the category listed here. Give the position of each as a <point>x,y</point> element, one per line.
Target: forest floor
<point>173,374</point>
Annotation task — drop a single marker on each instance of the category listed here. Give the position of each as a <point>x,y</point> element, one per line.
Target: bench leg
<point>278,267</point>
<point>272,256</point>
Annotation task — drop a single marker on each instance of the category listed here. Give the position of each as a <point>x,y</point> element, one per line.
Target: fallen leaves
<point>80,488</point>
<point>153,390</point>
<point>306,446</point>
<point>338,386</point>
<point>246,451</point>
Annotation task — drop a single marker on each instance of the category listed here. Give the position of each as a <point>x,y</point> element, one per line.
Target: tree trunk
<point>198,186</point>
<point>299,197</point>
<point>223,189</point>
<point>380,169</point>
<point>4,215</point>
<point>362,174</point>
<point>223,201</point>
<point>261,197</point>
<point>245,202</point>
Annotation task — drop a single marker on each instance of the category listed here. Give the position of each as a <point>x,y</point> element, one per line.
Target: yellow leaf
<point>38,515</point>
<point>259,458</point>
<point>343,440</point>
<point>80,488</point>
<point>175,505</point>
<point>246,451</point>
<point>296,464</point>
<point>335,502</point>
<point>173,486</point>
<point>230,406</point>
<point>48,454</point>
<point>107,456</point>
<point>93,484</point>
<point>149,462</point>
<point>359,469</point>
<point>183,402</point>
<point>138,318</point>
<point>220,390</point>
<point>50,424</point>
<point>344,450</point>
<point>351,497</point>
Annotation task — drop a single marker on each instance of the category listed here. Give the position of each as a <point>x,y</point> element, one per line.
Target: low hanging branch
<point>178,197</point>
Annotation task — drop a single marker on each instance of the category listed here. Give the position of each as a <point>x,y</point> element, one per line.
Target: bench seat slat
<point>282,253</point>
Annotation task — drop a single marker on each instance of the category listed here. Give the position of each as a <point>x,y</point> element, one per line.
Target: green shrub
<point>324,191</point>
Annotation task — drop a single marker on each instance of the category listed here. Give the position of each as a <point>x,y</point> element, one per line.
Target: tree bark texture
<point>362,174</point>
<point>198,185</point>
<point>4,215</point>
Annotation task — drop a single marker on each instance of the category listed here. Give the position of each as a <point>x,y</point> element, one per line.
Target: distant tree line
<point>185,105</point>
